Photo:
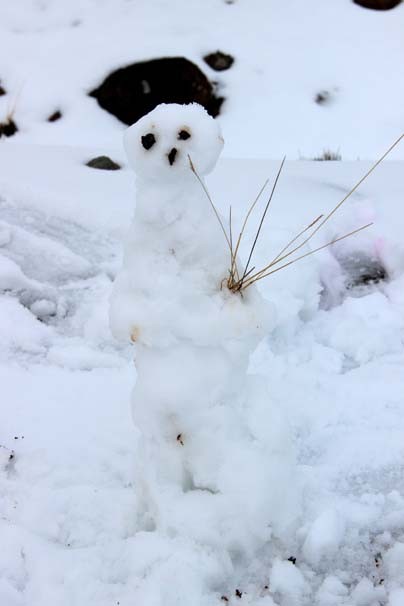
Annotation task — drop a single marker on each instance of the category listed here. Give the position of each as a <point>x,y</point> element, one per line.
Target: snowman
<point>213,458</point>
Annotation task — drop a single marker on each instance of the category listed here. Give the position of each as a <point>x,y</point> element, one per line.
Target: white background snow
<point>334,361</point>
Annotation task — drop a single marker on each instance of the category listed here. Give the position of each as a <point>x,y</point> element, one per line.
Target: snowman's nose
<point>171,156</point>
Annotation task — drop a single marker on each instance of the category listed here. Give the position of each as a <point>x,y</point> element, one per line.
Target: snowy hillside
<point>287,54</point>
<point>333,362</point>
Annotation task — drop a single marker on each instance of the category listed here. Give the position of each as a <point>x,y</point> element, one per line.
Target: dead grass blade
<point>244,226</point>
<point>311,252</point>
<point>263,218</point>
<point>211,202</point>
<point>284,255</point>
<point>293,240</point>
<point>344,199</point>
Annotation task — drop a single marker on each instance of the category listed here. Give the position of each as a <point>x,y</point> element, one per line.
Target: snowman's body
<point>194,337</point>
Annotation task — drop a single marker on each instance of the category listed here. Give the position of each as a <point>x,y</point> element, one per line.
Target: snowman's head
<point>160,144</point>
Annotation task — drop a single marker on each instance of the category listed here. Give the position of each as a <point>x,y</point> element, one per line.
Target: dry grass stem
<point>263,218</point>
<point>318,223</point>
<point>244,225</point>
<point>311,252</point>
<point>293,240</point>
<point>211,203</point>
<point>237,284</point>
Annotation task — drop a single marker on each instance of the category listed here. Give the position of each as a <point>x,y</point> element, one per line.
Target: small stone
<point>103,163</point>
<point>2,91</point>
<point>55,116</point>
<point>322,97</point>
<point>8,128</point>
<point>219,61</point>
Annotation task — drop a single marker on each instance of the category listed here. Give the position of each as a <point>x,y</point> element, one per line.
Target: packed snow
<point>200,415</point>
<point>324,405</point>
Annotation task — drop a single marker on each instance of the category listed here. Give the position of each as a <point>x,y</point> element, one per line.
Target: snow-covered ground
<point>52,52</point>
<point>333,362</point>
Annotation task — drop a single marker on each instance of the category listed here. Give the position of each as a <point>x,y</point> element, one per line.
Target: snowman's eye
<point>183,135</point>
<point>148,140</point>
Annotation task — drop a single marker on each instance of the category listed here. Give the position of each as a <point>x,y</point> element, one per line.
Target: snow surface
<point>53,52</point>
<point>69,506</point>
<point>333,361</point>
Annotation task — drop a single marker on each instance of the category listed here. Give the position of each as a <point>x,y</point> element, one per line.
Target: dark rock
<point>8,128</point>
<point>55,116</point>
<point>219,61</point>
<point>133,91</point>
<point>322,97</point>
<point>103,163</point>
<point>2,91</point>
<point>362,270</point>
<point>378,5</point>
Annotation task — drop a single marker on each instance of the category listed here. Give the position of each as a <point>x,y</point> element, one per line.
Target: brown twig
<point>211,202</point>
<point>244,225</point>
<point>281,257</point>
<point>311,252</point>
<point>263,217</point>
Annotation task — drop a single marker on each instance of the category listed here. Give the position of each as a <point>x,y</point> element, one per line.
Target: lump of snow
<point>366,594</point>
<point>43,308</point>
<point>133,91</point>
<point>396,597</point>
<point>44,258</point>
<point>5,235</point>
<point>324,537</point>
<point>19,329</point>
<point>331,592</point>
<point>394,563</point>
<point>9,594</point>
<point>287,580</point>
<point>11,276</point>
<point>81,357</point>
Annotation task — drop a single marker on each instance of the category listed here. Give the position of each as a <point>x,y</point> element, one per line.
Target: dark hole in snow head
<point>2,91</point>
<point>172,155</point>
<point>378,5</point>
<point>183,135</point>
<point>8,128</point>
<point>148,141</point>
<point>133,91</point>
